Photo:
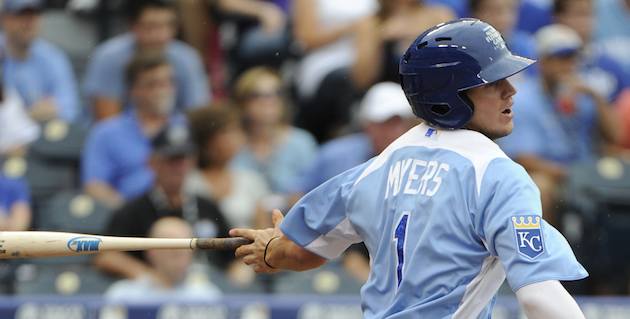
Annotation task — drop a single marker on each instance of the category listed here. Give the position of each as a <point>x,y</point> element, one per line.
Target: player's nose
<point>507,89</point>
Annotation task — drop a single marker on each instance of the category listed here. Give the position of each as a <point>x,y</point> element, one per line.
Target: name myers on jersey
<point>414,176</point>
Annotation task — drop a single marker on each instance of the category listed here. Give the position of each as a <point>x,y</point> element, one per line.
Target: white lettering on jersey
<point>413,176</point>
<point>428,174</point>
<point>393,178</point>
<point>437,179</point>
<point>427,185</point>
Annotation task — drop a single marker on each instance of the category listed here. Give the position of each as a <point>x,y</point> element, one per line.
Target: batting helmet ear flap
<point>440,109</point>
<point>464,96</point>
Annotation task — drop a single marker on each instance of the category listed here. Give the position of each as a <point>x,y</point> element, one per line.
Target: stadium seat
<point>59,141</point>
<point>62,279</point>
<point>222,281</point>
<point>52,162</point>
<point>597,198</point>
<point>72,211</point>
<point>328,279</point>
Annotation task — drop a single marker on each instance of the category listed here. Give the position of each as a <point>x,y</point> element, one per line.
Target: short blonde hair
<point>246,83</point>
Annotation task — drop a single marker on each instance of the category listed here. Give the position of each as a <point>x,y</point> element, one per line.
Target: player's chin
<point>500,131</point>
<point>507,130</point>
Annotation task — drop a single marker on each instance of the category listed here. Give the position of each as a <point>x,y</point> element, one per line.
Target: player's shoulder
<point>476,148</point>
<point>472,149</point>
<point>503,175</point>
<point>467,143</point>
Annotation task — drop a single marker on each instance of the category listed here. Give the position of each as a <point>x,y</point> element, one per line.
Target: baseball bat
<point>28,244</point>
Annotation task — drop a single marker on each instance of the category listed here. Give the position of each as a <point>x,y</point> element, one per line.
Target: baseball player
<point>445,214</point>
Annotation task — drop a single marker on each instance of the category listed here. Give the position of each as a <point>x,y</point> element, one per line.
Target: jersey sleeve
<point>509,221</point>
<point>319,222</point>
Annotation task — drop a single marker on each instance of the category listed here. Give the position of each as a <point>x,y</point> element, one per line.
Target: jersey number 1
<point>399,236</point>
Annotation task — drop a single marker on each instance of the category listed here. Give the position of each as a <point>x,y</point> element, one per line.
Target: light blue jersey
<point>446,217</point>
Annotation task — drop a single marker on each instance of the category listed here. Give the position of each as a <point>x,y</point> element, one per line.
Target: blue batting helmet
<point>448,59</point>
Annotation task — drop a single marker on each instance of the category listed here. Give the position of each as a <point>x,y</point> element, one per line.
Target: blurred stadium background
<point>271,97</point>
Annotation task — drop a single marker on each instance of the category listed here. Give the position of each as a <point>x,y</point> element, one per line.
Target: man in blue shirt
<point>153,27</point>
<point>384,115</point>
<point>39,71</point>
<point>114,160</point>
<point>598,69</point>
<point>557,116</point>
<point>445,214</point>
<point>612,31</point>
<point>503,15</point>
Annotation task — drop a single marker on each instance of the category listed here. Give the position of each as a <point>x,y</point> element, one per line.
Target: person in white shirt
<point>181,279</point>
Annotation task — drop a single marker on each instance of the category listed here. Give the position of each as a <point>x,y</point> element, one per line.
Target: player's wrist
<point>267,252</point>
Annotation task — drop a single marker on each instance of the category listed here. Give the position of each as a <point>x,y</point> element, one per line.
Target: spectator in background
<point>533,15</point>
<point>116,151</point>
<point>623,109</point>
<point>612,30</point>
<point>502,15</point>
<point>17,128</point>
<point>273,148</point>
<point>458,7</point>
<point>383,38</point>
<point>558,118</point>
<point>175,266</point>
<point>15,210</point>
<point>39,71</point>
<point>599,70</point>
<point>265,37</point>
<point>612,19</point>
<point>153,27</point>
<point>385,115</point>
<point>325,29</point>
<point>218,136</point>
<point>171,160</point>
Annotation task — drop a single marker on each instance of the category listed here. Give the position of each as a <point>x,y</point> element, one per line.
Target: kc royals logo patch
<point>529,238</point>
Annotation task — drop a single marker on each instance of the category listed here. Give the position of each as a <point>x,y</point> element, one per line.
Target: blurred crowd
<point>182,118</point>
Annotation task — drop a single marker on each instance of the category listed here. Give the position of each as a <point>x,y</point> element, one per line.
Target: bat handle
<point>221,243</point>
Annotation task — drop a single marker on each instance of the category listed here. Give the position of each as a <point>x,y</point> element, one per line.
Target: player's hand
<point>253,254</point>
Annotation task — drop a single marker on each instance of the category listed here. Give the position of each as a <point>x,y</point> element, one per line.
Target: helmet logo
<point>494,37</point>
